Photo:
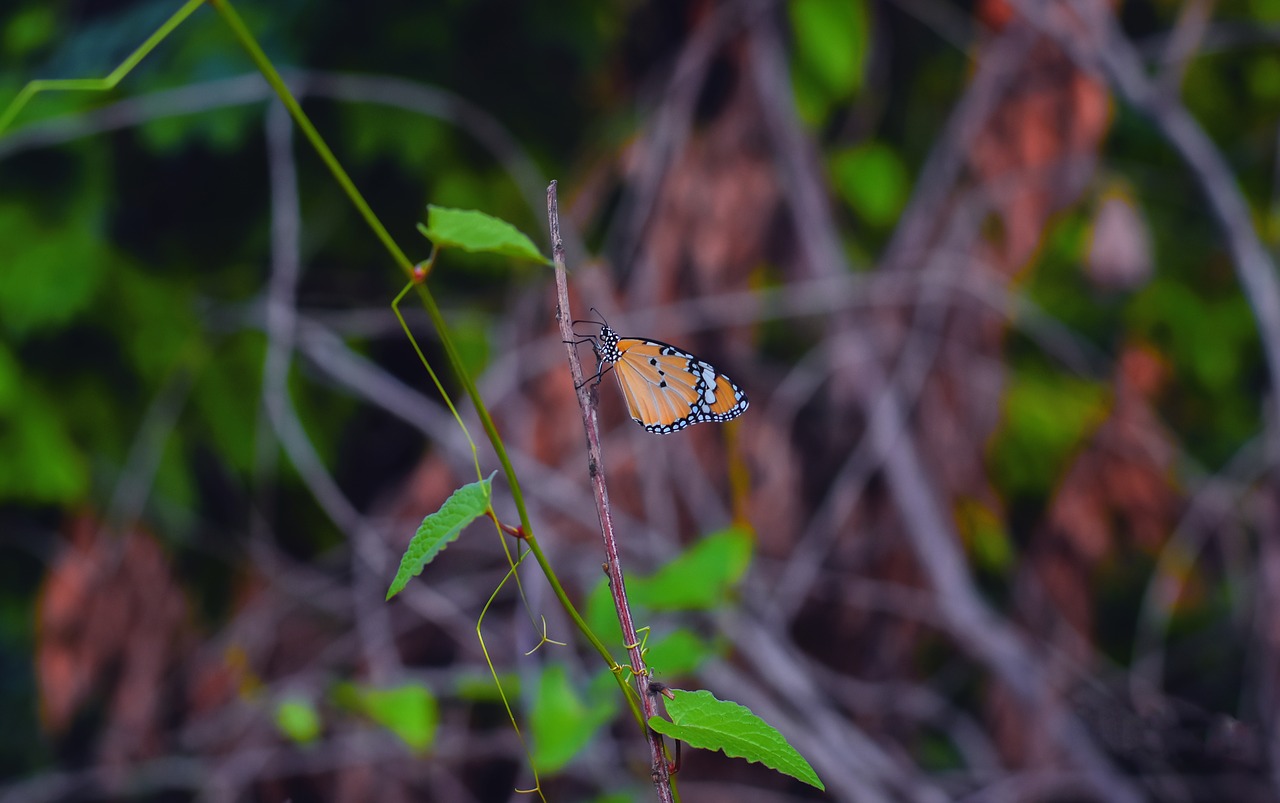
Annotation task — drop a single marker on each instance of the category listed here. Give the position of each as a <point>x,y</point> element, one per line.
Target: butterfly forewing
<point>659,392</point>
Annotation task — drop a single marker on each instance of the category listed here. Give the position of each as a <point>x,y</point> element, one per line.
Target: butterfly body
<point>667,388</point>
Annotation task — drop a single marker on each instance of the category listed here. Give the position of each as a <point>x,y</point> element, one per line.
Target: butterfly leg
<point>599,374</point>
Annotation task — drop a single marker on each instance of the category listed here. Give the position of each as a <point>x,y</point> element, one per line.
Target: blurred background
<point>999,279</point>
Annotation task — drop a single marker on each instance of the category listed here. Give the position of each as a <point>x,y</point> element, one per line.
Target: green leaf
<point>409,711</point>
<point>475,231</point>
<point>1265,10</point>
<point>49,273</point>
<point>1207,336</point>
<point>830,49</point>
<point>298,720</point>
<point>700,720</point>
<point>562,723</point>
<point>154,319</point>
<point>700,578</point>
<point>440,529</point>
<point>680,652</point>
<point>471,339</point>
<point>10,380</point>
<point>27,30</point>
<point>873,181</point>
<point>601,616</point>
<point>1264,77</point>
<point>42,463</point>
<point>374,132</point>
<point>1047,416</point>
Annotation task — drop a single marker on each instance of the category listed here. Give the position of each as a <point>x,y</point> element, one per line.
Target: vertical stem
<point>595,468</point>
<point>269,72</point>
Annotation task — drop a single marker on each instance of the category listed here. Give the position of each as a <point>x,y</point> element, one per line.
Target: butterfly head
<point>605,344</point>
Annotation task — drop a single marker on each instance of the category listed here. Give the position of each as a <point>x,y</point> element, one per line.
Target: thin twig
<point>990,638</point>
<point>587,400</point>
<point>371,621</point>
<point>1183,44</point>
<point>1104,49</point>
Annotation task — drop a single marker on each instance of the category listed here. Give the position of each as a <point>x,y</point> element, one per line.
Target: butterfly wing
<point>668,389</point>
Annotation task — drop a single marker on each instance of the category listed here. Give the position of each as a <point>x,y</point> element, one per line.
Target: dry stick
<point>595,467</point>
<point>972,622</point>
<point>1106,50</point>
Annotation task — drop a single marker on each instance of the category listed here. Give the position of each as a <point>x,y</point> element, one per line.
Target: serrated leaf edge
<point>522,248</point>
<point>667,727</point>
<point>402,578</point>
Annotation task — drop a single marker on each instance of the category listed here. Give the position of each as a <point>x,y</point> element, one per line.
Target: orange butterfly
<point>666,388</point>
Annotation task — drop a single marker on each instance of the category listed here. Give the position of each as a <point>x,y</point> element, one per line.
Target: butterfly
<point>666,388</point>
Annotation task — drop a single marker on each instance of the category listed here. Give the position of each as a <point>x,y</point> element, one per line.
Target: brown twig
<point>1106,50</point>
<point>971,620</point>
<point>595,468</point>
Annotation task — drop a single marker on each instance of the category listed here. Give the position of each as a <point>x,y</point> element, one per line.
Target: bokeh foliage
<point>133,262</point>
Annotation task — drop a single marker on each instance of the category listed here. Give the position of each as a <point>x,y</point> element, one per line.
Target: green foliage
<point>42,464</point>
<point>49,272</point>
<point>1265,10</point>
<point>831,39</point>
<point>222,131</point>
<point>409,711</point>
<point>872,179</point>
<point>298,720</point>
<point>101,313</point>
<point>985,533</point>
<point>375,132</point>
<point>700,720</point>
<point>152,321</point>
<point>477,232</point>
<point>678,653</point>
<point>700,578</point>
<point>481,688</point>
<point>226,398</point>
<point>30,29</point>
<point>1208,337</point>
<point>471,338</point>
<point>1046,416</point>
<point>1264,77</point>
<point>440,529</point>
<point>1058,284</point>
<point>563,723</point>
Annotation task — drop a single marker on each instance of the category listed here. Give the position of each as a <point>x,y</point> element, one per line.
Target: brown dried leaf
<point>112,623</point>
<point>1038,148</point>
<point>1119,255</point>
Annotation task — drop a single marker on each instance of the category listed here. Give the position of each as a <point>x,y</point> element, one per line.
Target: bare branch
<point>595,470</point>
